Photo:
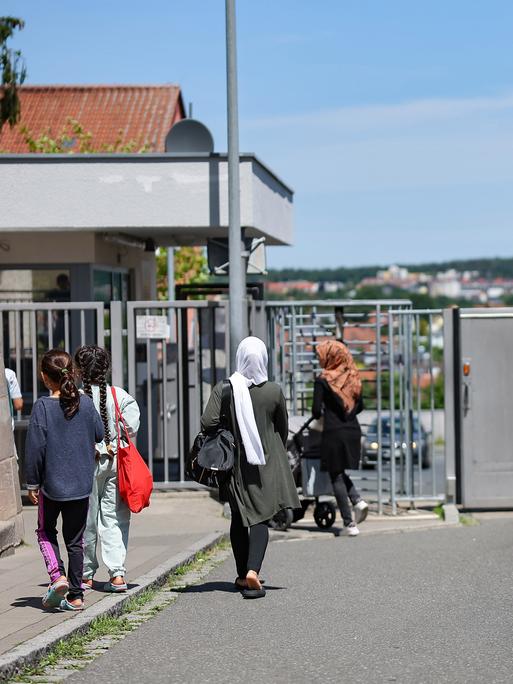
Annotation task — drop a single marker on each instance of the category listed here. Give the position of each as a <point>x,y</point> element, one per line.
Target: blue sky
<point>393,121</point>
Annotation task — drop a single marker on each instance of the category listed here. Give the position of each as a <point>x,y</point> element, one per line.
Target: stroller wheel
<point>325,514</point>
<point>282,520</point>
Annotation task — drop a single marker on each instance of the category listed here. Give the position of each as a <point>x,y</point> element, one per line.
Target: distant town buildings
<point>452,284</point>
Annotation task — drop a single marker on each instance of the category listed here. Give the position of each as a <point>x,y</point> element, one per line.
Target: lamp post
<point>236,256</point>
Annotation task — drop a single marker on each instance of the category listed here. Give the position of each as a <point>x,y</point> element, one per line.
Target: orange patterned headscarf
<point>340,372</point>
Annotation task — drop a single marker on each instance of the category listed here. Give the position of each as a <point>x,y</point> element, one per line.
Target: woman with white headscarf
<point>261,483</point>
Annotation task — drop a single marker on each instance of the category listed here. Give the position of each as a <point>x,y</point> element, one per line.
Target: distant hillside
<point>488,268</point>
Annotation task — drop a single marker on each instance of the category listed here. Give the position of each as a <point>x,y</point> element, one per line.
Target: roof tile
<point>143,113</point>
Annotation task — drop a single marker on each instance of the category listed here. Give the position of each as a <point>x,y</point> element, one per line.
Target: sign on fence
<point>152,327</point>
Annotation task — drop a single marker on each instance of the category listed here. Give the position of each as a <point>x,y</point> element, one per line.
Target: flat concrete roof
<point>174,199</point>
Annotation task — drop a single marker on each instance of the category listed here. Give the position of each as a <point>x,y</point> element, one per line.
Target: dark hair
<point>57,365</point>
<point>94,365</point>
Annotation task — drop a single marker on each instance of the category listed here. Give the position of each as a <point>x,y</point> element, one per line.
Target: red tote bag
<point>135,482</point>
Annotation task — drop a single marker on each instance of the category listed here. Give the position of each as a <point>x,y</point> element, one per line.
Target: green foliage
<point>12,72</point>
<point>74,138</point>
<point>190,267</point>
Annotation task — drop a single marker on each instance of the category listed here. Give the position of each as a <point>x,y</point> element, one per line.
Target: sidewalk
<point>172,524</point>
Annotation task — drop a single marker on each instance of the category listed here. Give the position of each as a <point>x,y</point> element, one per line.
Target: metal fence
<point>171,375</point>
<point>31,329</point>
<point>170,355</point>
<point>393,347</point>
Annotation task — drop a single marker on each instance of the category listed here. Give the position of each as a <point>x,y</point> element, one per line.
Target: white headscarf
<point>251,364</point>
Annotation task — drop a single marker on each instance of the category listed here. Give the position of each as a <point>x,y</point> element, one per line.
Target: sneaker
<point>361,510</point>
<point>349,530</point>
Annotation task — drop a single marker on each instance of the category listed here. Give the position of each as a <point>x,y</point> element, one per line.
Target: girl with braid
<point>109,517</point>
<point>59,469</point>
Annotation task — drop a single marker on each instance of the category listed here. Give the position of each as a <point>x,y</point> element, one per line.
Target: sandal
<point>55,593</point>
<point>253,593</point>
<point>115,588</point>
<point>242,583</point>
<point>254,589</point>
<point>65,606</point>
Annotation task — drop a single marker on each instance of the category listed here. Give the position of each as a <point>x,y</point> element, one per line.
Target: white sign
<point>152,327</point>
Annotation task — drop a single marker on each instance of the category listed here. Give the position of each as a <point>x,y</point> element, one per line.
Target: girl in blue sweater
<point>59,462</point>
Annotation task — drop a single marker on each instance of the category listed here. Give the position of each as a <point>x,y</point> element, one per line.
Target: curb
<point>31,651</point>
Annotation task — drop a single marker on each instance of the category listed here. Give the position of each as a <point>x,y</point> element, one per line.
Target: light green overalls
<point>109,517</point>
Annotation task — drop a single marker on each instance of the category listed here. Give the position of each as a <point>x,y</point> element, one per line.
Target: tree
<point>190,267</point>
<point>74,138</point>
<point>12,72</point>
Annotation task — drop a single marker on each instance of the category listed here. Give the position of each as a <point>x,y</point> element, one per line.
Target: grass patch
<point>139,601</point>
<point>468,520</point>
<point>439,511</point>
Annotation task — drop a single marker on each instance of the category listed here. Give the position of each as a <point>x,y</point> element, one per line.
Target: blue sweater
<point>60,453</point>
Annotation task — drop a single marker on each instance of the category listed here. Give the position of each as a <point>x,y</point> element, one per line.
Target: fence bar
<point>49,323</point>
<point>116,342</point>
<point>33,342</point>
<point>149,402</point>
<point>379,414</point>
<point>419,400</point>
<point>432,405</point>
<point>391,370</point>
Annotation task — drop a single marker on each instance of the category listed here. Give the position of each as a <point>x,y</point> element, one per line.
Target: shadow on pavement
<point>227,587</point>
<point>30,602</point>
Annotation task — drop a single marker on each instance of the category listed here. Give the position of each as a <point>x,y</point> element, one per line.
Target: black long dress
<point>341,437</point>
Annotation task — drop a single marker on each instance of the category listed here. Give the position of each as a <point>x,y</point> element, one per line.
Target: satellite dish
<point>189,137</point>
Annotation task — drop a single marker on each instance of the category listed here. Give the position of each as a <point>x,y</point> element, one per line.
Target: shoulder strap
<point>119,417</point>
<point>226,400</point>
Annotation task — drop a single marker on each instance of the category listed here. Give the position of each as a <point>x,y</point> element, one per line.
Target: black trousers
<point>74,518</point>
<point>248,544</point>
<point>345,494</point>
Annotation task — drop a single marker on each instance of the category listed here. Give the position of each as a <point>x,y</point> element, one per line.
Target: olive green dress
<point>259,492</point>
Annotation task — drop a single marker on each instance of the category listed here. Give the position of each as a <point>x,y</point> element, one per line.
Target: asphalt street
<point>426,607</point>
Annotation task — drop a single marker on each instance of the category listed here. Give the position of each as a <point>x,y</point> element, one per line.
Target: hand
<point>33,495</point>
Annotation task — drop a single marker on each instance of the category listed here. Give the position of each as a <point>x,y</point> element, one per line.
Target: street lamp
<point>236,248</point>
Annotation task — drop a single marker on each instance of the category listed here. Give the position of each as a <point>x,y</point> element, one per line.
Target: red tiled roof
<point>143,113</point>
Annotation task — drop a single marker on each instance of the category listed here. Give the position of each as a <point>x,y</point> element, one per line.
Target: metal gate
<point>32,328</point>
<point>394,348</point>
<point>171,373</point>
<point>481,402</point>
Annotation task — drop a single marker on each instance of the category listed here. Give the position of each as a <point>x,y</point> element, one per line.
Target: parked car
<point>419,439</point>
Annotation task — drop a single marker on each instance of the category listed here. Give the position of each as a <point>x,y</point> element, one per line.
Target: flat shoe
<point>115,588</point>
<point>253,593</point>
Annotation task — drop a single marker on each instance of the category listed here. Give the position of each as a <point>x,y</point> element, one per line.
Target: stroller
<point>304,454</point>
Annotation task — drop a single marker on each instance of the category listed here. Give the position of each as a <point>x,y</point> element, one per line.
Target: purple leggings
<point>74,517</point>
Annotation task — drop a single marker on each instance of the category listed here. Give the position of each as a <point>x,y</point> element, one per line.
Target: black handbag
<point>212,455</point>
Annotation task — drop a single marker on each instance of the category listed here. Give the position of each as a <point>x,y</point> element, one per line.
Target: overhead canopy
<point>175,200</point>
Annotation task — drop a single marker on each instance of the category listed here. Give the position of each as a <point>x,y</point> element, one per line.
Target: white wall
<point>171,199</point>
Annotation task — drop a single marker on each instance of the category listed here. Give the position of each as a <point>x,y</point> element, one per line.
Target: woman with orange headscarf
<point>338,398</point>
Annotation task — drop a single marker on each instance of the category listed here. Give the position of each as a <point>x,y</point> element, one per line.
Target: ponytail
<point>57,365</point>
<point>94,365</point>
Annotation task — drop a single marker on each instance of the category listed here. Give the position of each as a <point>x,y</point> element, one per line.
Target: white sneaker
<point>361,510</point>
<point>349,530</point>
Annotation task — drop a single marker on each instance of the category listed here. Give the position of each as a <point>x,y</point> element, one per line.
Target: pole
<point>237,265</point>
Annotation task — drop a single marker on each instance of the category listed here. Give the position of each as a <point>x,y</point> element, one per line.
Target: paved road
<point>424,607</point>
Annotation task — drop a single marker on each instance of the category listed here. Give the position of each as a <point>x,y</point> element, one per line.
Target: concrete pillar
<point>11,516</point>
